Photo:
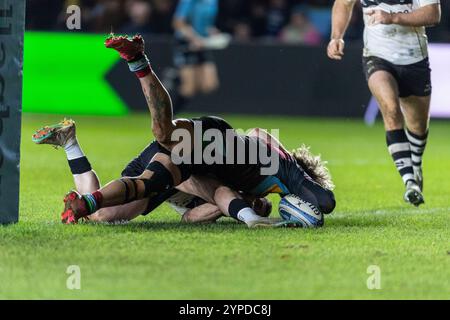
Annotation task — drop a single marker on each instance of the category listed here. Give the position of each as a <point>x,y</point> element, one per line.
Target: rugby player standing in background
<point>395,62</point>
<point>194,22</point>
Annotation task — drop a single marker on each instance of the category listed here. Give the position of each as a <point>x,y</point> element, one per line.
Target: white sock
<point>73,150</point>
<point>247,215</point>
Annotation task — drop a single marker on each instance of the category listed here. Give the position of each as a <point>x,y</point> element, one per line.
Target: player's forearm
<point>426,16</point>
<point>160,105</point>
<point>341,15</point>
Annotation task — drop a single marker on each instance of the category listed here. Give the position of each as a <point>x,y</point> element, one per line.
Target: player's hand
<point>379,17</point>
<point>335,49</point>
<point>196,44</point>
<point>213,31</point>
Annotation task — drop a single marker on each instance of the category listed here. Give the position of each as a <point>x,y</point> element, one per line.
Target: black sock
<point>79,165</point>
<point>400,150</point>
<point>235,206</point>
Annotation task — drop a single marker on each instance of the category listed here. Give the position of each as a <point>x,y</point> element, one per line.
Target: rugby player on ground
<point>163,172</point>
<point>193,209</point>
<point>396,66</point>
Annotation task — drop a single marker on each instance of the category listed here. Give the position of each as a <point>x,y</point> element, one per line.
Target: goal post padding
<point>12,23</point>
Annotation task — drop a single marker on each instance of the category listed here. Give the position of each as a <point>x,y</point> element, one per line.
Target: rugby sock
<point>93,201</point>
<point>400,150</point>
<point>248,215</point>
<point>240,210</point>
<point>73,150</point>
<point>78,162</point>
<point>418,144</point>
<point>140,66</point>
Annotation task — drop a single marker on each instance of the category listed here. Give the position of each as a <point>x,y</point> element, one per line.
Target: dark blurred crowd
<point>290,21</point>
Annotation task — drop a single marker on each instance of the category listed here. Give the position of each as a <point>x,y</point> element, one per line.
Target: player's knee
<point>144,175</point>
<point>157,179</point>
<point>222,192</point>
<point>187,217</point>
<point>418,127</point>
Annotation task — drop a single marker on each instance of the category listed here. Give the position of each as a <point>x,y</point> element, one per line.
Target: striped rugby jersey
<point>400,45</point>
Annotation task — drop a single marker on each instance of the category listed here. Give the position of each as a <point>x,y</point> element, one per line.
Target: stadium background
<point>69,73</point>
<point>273,66</point>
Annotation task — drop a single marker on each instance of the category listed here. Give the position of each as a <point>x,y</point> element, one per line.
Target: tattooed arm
<point>160,106</point>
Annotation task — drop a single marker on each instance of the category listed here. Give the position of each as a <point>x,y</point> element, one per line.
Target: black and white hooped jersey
<point>400,45</point>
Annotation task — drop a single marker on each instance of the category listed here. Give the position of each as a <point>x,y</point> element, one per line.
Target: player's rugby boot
<point>128,48</point>
<point>413,194</point>
<point>57,135</point>
<point>75,208</point>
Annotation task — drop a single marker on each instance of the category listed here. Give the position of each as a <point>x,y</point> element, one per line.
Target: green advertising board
<point>65,73</point>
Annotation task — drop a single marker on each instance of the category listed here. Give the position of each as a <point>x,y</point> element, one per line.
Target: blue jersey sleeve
<point>184,9</point>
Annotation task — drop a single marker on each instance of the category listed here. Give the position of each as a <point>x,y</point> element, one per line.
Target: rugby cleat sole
<point>129,48</point>
<point>57,135</point>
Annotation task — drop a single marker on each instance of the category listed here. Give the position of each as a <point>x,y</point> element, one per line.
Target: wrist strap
<point>139,64</point>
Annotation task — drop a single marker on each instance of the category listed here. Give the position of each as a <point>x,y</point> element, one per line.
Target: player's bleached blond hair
<point>314,166</point>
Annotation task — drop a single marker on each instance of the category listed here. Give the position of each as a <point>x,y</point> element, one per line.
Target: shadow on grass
<point>341,222</point>
<point>352,222</point>
<point>138,226</point>
<point>375,218</point>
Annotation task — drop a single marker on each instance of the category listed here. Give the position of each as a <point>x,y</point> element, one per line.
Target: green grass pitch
<point>156,257</point>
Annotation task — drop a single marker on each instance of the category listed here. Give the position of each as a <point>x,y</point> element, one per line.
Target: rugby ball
<point>302,213</point>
